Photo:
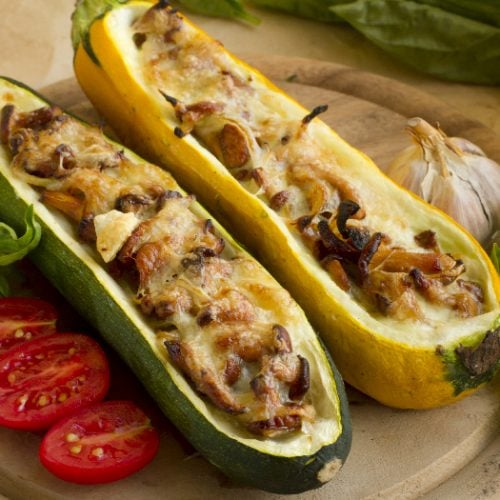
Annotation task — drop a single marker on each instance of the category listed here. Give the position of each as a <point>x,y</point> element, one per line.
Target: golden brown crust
<point>218,306</point>
<point>284,162</point>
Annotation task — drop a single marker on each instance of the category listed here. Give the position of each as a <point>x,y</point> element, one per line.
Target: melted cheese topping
<point>113,229</point>
<point>284,157</point>
<point>176,249</point>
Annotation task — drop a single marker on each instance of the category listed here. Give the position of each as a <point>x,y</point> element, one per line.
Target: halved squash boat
<point>225,351</point>
<point>405,299</point>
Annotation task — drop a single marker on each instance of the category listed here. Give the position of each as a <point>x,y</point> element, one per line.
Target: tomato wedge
<point>100,443</point>
<point>23,319</point>
<point>50,377</point>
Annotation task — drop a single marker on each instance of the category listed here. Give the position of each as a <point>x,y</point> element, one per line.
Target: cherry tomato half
<point>100,443</point>
<point>50,377</point>
<point>23,319</point>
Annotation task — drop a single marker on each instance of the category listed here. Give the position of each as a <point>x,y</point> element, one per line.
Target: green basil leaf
<point>6,232</point>
<point>428,38</point>
<point>495,257</point>
<point>84,14</point>
<point>13,248</point>
<point>486,11</point>
<point>313,9</point>
<point>221,8</point>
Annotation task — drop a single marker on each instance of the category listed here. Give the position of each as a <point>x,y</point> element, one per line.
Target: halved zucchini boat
<point>406,300</point>
<point>225,351</point>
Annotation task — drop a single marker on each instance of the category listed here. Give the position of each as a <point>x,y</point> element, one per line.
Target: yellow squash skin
<point>395,373</point>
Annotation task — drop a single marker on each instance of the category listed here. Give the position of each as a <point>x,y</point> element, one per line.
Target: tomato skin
<point>50,377</point>
<point>22,319</point>
<point>100,443</point>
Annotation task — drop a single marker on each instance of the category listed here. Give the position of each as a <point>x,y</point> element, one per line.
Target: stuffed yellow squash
<point>406,301</point>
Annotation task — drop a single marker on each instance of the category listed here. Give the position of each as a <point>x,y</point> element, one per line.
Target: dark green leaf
<point>221,8</point>
<point>495,257</point>
<point>86,11</point>
<point>486,11</point>
<point>430,39</point>
<point>313,9</point>
<point>13,248</point>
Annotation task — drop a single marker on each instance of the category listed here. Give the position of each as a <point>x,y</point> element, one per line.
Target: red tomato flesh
<point>50,377</point>
<point>100,443</point>
<point>23,319</point>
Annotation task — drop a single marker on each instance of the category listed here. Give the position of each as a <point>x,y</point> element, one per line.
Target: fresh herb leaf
<point>85,13</point>
<point>486,11</point>
<point>495,257</point>
<point>431,39</point>
<point>221,8</point>
<point>313,9</point>
<point>13,248</point>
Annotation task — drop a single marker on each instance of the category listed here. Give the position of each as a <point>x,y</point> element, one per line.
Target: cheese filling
<point>281,159</point>
<point>223,321</point>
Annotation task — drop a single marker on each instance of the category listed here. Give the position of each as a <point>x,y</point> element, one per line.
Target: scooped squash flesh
<point>406,300</point>
<point>98,203</point>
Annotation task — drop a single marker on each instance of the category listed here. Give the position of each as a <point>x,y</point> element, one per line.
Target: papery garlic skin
<point>452,174</point>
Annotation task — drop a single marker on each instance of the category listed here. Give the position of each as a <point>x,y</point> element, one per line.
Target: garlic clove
<point>466,207</point>
<point>466,146</point>
<point>410,170</point>
<point>453,174</point>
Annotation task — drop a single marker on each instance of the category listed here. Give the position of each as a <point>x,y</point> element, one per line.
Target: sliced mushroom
<point>275,426</point>
<point>302,382</point>
<point>70,205</point>
<point>427,239</point>
<point>205,379</point>
<point>337,272</point>
<point>393,294</point>
<point>131,202</point>
<point>282,340</point>
<point>233,146</point>
<point>232,370</point>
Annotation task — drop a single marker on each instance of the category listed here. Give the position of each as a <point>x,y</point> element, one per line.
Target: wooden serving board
<point>395,454</point>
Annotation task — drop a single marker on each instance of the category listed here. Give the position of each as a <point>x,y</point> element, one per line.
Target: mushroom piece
<point>205,379</point>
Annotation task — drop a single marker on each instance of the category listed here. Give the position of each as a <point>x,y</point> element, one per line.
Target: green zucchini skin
<point>88,294</point>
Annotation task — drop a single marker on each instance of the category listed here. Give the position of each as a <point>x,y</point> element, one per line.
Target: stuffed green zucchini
<point>227,354</point>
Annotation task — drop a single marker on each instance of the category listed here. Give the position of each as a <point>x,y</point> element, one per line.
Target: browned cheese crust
<point>218,313</point>
<point>287,167</point>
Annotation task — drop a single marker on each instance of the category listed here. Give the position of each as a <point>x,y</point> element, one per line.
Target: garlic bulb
<point>452,174</point>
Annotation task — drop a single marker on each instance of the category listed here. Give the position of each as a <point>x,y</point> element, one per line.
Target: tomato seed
<point>98,452</point>
<point>43,400</point>
<point>76,449</point>
<point>72,437</point>
<point>11,378</point>
<point>62,397</point>
<point>71,351</point>
<point>19,333</point>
